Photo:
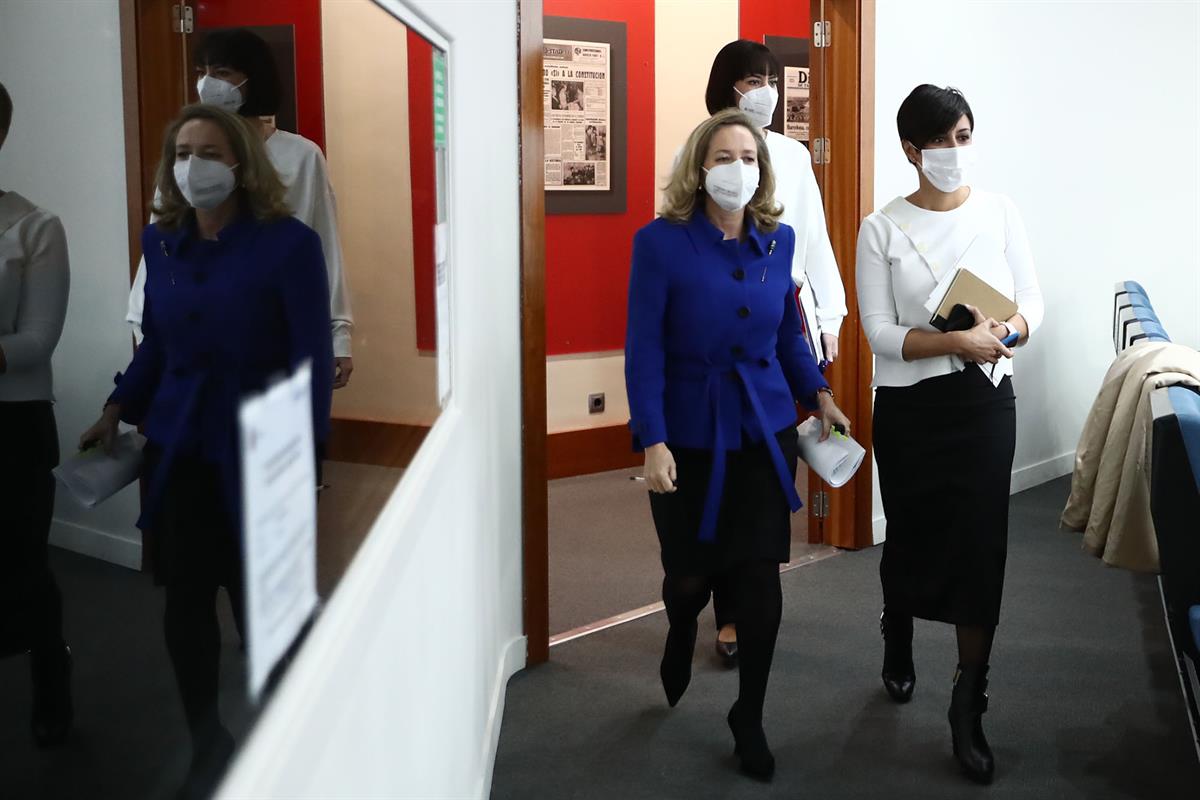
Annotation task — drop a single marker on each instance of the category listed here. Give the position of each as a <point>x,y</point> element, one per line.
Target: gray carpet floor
<point>1085,702</point>
<point>603,549</point>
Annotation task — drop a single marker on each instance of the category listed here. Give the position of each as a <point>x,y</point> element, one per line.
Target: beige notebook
<point>967,288</point>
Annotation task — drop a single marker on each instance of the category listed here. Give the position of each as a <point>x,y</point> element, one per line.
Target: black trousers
<point>30,602</point>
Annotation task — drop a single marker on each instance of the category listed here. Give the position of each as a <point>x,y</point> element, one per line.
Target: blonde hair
<point>259,187</point>
<point>686,184</point>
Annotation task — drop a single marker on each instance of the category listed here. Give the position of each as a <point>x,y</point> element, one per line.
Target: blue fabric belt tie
<point>712,374</point>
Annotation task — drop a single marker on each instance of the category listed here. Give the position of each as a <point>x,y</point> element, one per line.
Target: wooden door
<point>842,85</point>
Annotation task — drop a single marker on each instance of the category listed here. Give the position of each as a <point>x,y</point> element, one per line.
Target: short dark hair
<point>5,111</point>
<point>249,53</point>
<point>930,111</point>
<point>735,61</point>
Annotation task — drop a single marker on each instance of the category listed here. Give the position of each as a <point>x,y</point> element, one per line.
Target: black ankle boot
<point>899,674</point>
<point>750,745</point>
<point>967,705</point>
<point>676,667</point>
<point>53,710</point>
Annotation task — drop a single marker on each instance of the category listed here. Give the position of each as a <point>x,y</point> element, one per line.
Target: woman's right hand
<point>104,432</point>
<point>979,345</point>
<point>660,469</point>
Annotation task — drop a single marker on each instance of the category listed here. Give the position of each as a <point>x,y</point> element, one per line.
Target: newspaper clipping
<point>795,96</point>
<point>575,90</point>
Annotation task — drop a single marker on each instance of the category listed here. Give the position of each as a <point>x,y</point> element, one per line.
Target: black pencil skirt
<point>944,447</point>
<point>754,522</point>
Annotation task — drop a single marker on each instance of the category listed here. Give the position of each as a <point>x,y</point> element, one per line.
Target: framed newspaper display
<point>792,113</point>
<point>584,103</point>
<point>575,92</point>
<point>796,114</point>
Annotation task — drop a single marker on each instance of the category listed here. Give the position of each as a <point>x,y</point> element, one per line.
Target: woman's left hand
<point>829,343</point>
<point>831,415</point>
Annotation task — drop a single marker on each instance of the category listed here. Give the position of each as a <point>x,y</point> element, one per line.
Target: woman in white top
<point>238,74</point>
<point>744,75</point>
<point>945,412</point>
<point>34,283</point>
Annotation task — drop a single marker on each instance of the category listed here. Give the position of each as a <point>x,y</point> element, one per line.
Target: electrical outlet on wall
<point>596,403</point>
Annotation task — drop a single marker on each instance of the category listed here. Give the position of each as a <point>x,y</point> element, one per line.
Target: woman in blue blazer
<point>236,295</point>
<point>715,362</point>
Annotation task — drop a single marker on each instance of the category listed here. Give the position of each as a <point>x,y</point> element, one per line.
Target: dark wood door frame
<point>843,106</point>
<point>848,198</point>
<point>534,488</point>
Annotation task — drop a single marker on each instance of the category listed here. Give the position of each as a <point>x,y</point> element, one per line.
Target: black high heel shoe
<point>53,709</point>
<point>968,703</point>
<point>899,674</point>
<point>750,745</point>
<point>676,667</point>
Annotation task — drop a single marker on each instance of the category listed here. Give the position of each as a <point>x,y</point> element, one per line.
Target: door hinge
<point>820,151</point>
<point>820,502</point>
<point>183,18</point>
<point>821,36</point>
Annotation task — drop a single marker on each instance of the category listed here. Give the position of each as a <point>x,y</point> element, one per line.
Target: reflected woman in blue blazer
<point>715,363</point>
<point>236,295</point>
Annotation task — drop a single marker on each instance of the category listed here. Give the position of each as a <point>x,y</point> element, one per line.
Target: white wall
<point>360,713</point>
<point>1087,116</point>
<point>61,62</point>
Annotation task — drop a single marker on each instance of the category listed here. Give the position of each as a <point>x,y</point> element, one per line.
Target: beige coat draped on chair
<point>1110,488</point>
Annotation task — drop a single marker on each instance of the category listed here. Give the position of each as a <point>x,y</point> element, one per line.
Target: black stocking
<point>974,644</point>
<point>759,609</point>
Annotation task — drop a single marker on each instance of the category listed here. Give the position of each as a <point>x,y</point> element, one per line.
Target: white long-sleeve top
<point>813,265</point>
<point>35,280</point>
<point>904,251</point>
<point>301,167</point>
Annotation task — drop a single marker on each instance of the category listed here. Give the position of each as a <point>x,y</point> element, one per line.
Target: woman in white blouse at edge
<point>34,283</point>
<point>945,413</point>
<point>239,75</point>
<point>744,75</point>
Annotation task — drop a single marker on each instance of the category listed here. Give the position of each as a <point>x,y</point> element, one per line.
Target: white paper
<point>279,518</point>
<point>836,459</point>
<point>939,292</point>
<point>92,476</point>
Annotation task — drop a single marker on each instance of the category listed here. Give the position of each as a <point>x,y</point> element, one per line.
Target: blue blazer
<point>222,319</point>
<point>714,352</point>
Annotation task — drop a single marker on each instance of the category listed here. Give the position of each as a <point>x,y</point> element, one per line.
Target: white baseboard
<point>1037,474</point>
<point>1022,479</point>
<point>96,543</point>
<point>511,662</point>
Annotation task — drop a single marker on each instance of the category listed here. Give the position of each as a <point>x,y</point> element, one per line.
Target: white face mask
<point>948,168</point>
<point>203,182</point>
<point>220,93</point>
<point>759,104</point>
<point>732,185</point>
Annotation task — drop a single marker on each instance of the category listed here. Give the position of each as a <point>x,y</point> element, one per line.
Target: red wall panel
<point>587,255</point>
<point>305,16</point>
<point>759,18</point>
<point>424,186</point>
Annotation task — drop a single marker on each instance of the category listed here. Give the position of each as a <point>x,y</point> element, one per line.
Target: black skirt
<point>195,540</point>
<point>944,447</point>
<point>754,522</point>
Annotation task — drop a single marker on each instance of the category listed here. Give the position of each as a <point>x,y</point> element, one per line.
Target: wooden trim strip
<point>589,451</point>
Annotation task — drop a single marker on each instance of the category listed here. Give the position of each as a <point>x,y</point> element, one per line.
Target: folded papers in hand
<point>92,476</point>
<point>836,459</point>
